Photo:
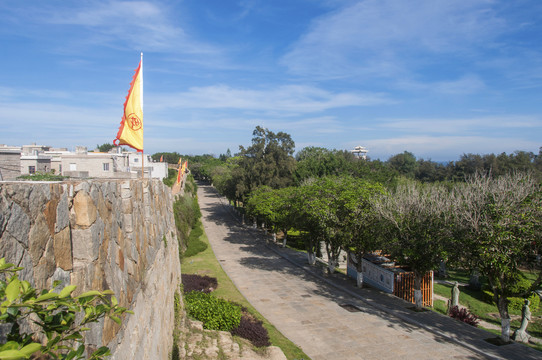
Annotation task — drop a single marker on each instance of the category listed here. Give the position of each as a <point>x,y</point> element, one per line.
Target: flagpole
<point>141,97</point>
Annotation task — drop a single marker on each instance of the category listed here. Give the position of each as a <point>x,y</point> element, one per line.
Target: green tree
<point>268,161</point>
<point>498,226</point>
<point>362,221</point>
<point>274,207</point>
<point>405,164</point>
<point>105,147</point>
<point>317,162</point>
<point>169,157</point>
<point>321,210</point>
<point>417,220</point>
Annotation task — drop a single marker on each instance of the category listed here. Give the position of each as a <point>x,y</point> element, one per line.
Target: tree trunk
<point>418,297</point>
<point>359,269</point>
<point>331,264</point>
<point>359,279</point>
<point>502,305</point>
<point>311,258</point>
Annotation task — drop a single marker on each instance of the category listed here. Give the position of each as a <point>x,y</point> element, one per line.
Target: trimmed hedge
<point>213,312</point>
<point>194,282</point>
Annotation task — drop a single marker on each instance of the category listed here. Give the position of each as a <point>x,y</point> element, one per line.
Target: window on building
<point>106,166</point>
<point>31,170</point>
<point>60,169</point>
<point>136,159</point>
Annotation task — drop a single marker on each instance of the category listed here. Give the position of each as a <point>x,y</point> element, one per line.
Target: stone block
<point>17,223</point>
<point>63,249</point>
<point>38,237</point>
<point>84,247</point>
<point>62,213</point>
<point>84,209</point>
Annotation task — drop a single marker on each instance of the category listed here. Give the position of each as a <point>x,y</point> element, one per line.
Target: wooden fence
<point>404,287</point>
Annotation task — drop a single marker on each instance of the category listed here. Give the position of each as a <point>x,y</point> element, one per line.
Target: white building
<point>10,162</point>
<point>29,159</point>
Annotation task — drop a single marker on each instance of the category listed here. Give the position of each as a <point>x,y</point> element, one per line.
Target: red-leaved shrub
<point>194,282</point>
<point>252,330</point>
<point>464,315</point>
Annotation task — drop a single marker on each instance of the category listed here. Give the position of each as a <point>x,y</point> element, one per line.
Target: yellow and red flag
<point>131,127</point>
<point>179,175</point>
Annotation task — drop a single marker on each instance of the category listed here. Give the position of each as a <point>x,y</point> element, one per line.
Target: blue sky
<point>438,78</point>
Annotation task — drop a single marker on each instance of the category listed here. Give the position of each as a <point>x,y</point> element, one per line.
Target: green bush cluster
<point>171,177</point>
<point>195,245</point>
<point>187,213</point>
<point>516,303</point>
<point>42,177</point>
<point>213,312</point>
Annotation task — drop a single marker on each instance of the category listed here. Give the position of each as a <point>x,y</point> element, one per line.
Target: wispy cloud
<point>139,25</point>
<point>288,98</point>
<point>439,126</point>
<point>382,37</point>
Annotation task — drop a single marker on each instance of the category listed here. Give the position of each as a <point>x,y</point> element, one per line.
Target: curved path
<point>307,309</point>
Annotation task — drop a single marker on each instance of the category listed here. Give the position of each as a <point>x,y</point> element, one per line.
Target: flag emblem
<point>134,123</point>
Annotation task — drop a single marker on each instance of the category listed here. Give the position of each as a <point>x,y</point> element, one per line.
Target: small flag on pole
<point>179,175</point>
<point>131,127</point>
<point>162,158</point>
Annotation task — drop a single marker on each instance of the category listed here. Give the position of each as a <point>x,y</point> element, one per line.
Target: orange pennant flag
<point>131,127</point>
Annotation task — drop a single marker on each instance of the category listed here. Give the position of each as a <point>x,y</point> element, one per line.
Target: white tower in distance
<point>360,152</point>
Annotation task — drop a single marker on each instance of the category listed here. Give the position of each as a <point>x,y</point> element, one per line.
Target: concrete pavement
<point>325,314</point>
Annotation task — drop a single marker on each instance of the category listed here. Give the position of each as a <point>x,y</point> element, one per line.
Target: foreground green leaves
<point>55,315</point>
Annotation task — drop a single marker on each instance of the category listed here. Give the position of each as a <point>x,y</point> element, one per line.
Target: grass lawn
<point>474,301</point>
<point>205,263</point>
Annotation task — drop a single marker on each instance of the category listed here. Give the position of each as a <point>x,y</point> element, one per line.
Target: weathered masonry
<point>100,234</point>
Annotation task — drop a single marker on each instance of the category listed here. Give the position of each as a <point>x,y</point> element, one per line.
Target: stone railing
<point>100,234</point>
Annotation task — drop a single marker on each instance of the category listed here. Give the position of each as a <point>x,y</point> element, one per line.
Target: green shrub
<point>521,286</point>
<point>213,312</point>
<point>171,177</point>
<point>487,296</point>
<point>516,303</point>
<point>194,244</point>
<point>42,177</point>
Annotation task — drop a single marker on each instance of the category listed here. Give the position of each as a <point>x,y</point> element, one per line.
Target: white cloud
<point>142,25</point>
<point>288,98</point>
<point>378,37</point>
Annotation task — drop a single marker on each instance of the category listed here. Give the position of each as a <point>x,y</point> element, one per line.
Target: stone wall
<point>100,234</point>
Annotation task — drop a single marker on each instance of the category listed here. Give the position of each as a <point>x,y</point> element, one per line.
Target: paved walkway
<point>304,303</point>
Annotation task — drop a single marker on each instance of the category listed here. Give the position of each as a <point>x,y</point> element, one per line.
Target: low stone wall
<point>100,234</point>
